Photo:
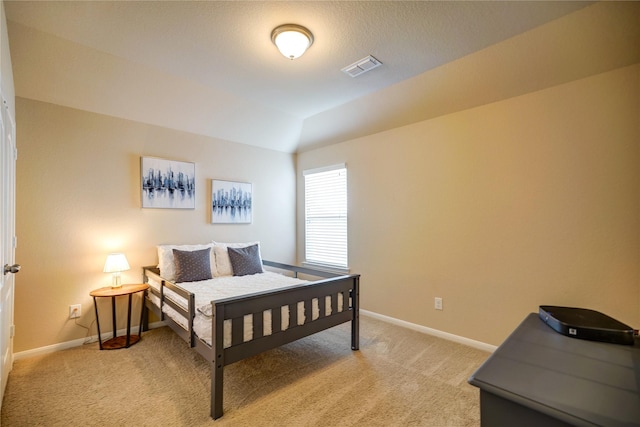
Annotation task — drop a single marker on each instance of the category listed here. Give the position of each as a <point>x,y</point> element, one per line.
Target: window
<point>325,201</point>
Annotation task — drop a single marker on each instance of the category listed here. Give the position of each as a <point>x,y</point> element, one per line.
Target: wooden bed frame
<point>255,304</point>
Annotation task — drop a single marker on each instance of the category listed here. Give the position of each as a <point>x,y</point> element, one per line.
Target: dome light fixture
<point>292,40</point>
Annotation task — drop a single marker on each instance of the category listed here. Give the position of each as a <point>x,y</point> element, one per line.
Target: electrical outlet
<point>75,311</point>
<point>438,303</point>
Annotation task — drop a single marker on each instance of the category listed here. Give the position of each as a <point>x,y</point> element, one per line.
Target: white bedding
<point>231,286</point>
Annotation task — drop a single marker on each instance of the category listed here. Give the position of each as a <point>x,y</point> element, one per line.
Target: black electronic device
<point>586,324</point>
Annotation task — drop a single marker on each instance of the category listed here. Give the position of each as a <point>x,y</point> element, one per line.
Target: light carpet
<point>399,377</point>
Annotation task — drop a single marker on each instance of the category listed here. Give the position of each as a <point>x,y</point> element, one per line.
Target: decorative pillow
<point>245,261</point>
<point>166,262</point>
<point>223,263</point>
<point>192,266</point>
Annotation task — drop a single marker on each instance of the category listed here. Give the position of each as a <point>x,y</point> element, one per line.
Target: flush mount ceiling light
<point>292,40</point>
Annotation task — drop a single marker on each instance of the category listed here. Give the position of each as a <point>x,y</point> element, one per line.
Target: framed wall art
<point>167,183</point>
<point>231,202</point>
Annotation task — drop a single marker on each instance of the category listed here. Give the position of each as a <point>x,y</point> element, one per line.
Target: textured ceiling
<point>210,67</point>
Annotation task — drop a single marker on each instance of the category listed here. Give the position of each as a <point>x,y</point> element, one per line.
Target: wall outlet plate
<point>438,303</point>
<point>75,311</point>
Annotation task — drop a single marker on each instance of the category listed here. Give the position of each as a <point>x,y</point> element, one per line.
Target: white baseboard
<point>419,328</point>
<point>75,343</point>
<point>440,334</point>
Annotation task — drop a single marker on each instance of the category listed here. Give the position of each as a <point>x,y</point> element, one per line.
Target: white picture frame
<point>231,202</point>
<point>167,184</point>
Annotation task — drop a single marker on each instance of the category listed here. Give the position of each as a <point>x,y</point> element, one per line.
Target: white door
<point>8,155</point>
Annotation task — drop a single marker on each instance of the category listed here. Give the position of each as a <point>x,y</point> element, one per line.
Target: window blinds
<point>326,216</point>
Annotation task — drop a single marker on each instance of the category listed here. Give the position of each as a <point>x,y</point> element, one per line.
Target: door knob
<point>12,268</point>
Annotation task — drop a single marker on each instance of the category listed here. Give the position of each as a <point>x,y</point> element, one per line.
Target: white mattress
<point>231,286</point>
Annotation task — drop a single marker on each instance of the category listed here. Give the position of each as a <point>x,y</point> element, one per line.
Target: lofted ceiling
<point>209,67</point>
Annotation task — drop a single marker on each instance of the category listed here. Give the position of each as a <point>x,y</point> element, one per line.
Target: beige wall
<point>78,198</point>
<point>498,209</point>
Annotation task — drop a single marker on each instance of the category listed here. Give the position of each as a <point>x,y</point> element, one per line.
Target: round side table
<point>127,340</point>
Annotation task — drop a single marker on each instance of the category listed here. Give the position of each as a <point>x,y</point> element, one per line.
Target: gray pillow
<point>245,261</point>
<point>192,266</point>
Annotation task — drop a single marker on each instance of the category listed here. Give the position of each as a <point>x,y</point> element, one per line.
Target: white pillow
<point>166,263</point>
<point>223,262</point>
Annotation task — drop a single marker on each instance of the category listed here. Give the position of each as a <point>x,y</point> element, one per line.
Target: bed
<point>225,318</point>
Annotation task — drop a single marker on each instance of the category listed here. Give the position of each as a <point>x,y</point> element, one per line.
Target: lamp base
<point>116,283</point>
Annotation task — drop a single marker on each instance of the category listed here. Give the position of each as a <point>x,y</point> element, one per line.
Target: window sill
<point>327,267</point>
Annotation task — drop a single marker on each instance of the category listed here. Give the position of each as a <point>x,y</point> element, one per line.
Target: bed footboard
<point>332,288</point>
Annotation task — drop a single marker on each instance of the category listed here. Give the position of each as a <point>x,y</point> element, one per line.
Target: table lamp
<point>115,264</point>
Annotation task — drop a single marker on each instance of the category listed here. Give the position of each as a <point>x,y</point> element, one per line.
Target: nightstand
<point>125,290</point>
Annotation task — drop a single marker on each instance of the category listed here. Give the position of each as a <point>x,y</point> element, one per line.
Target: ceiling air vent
<point>361,66</point>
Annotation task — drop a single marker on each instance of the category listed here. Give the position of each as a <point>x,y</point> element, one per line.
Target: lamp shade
<point>292,40</point>
<point>116,263</point>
